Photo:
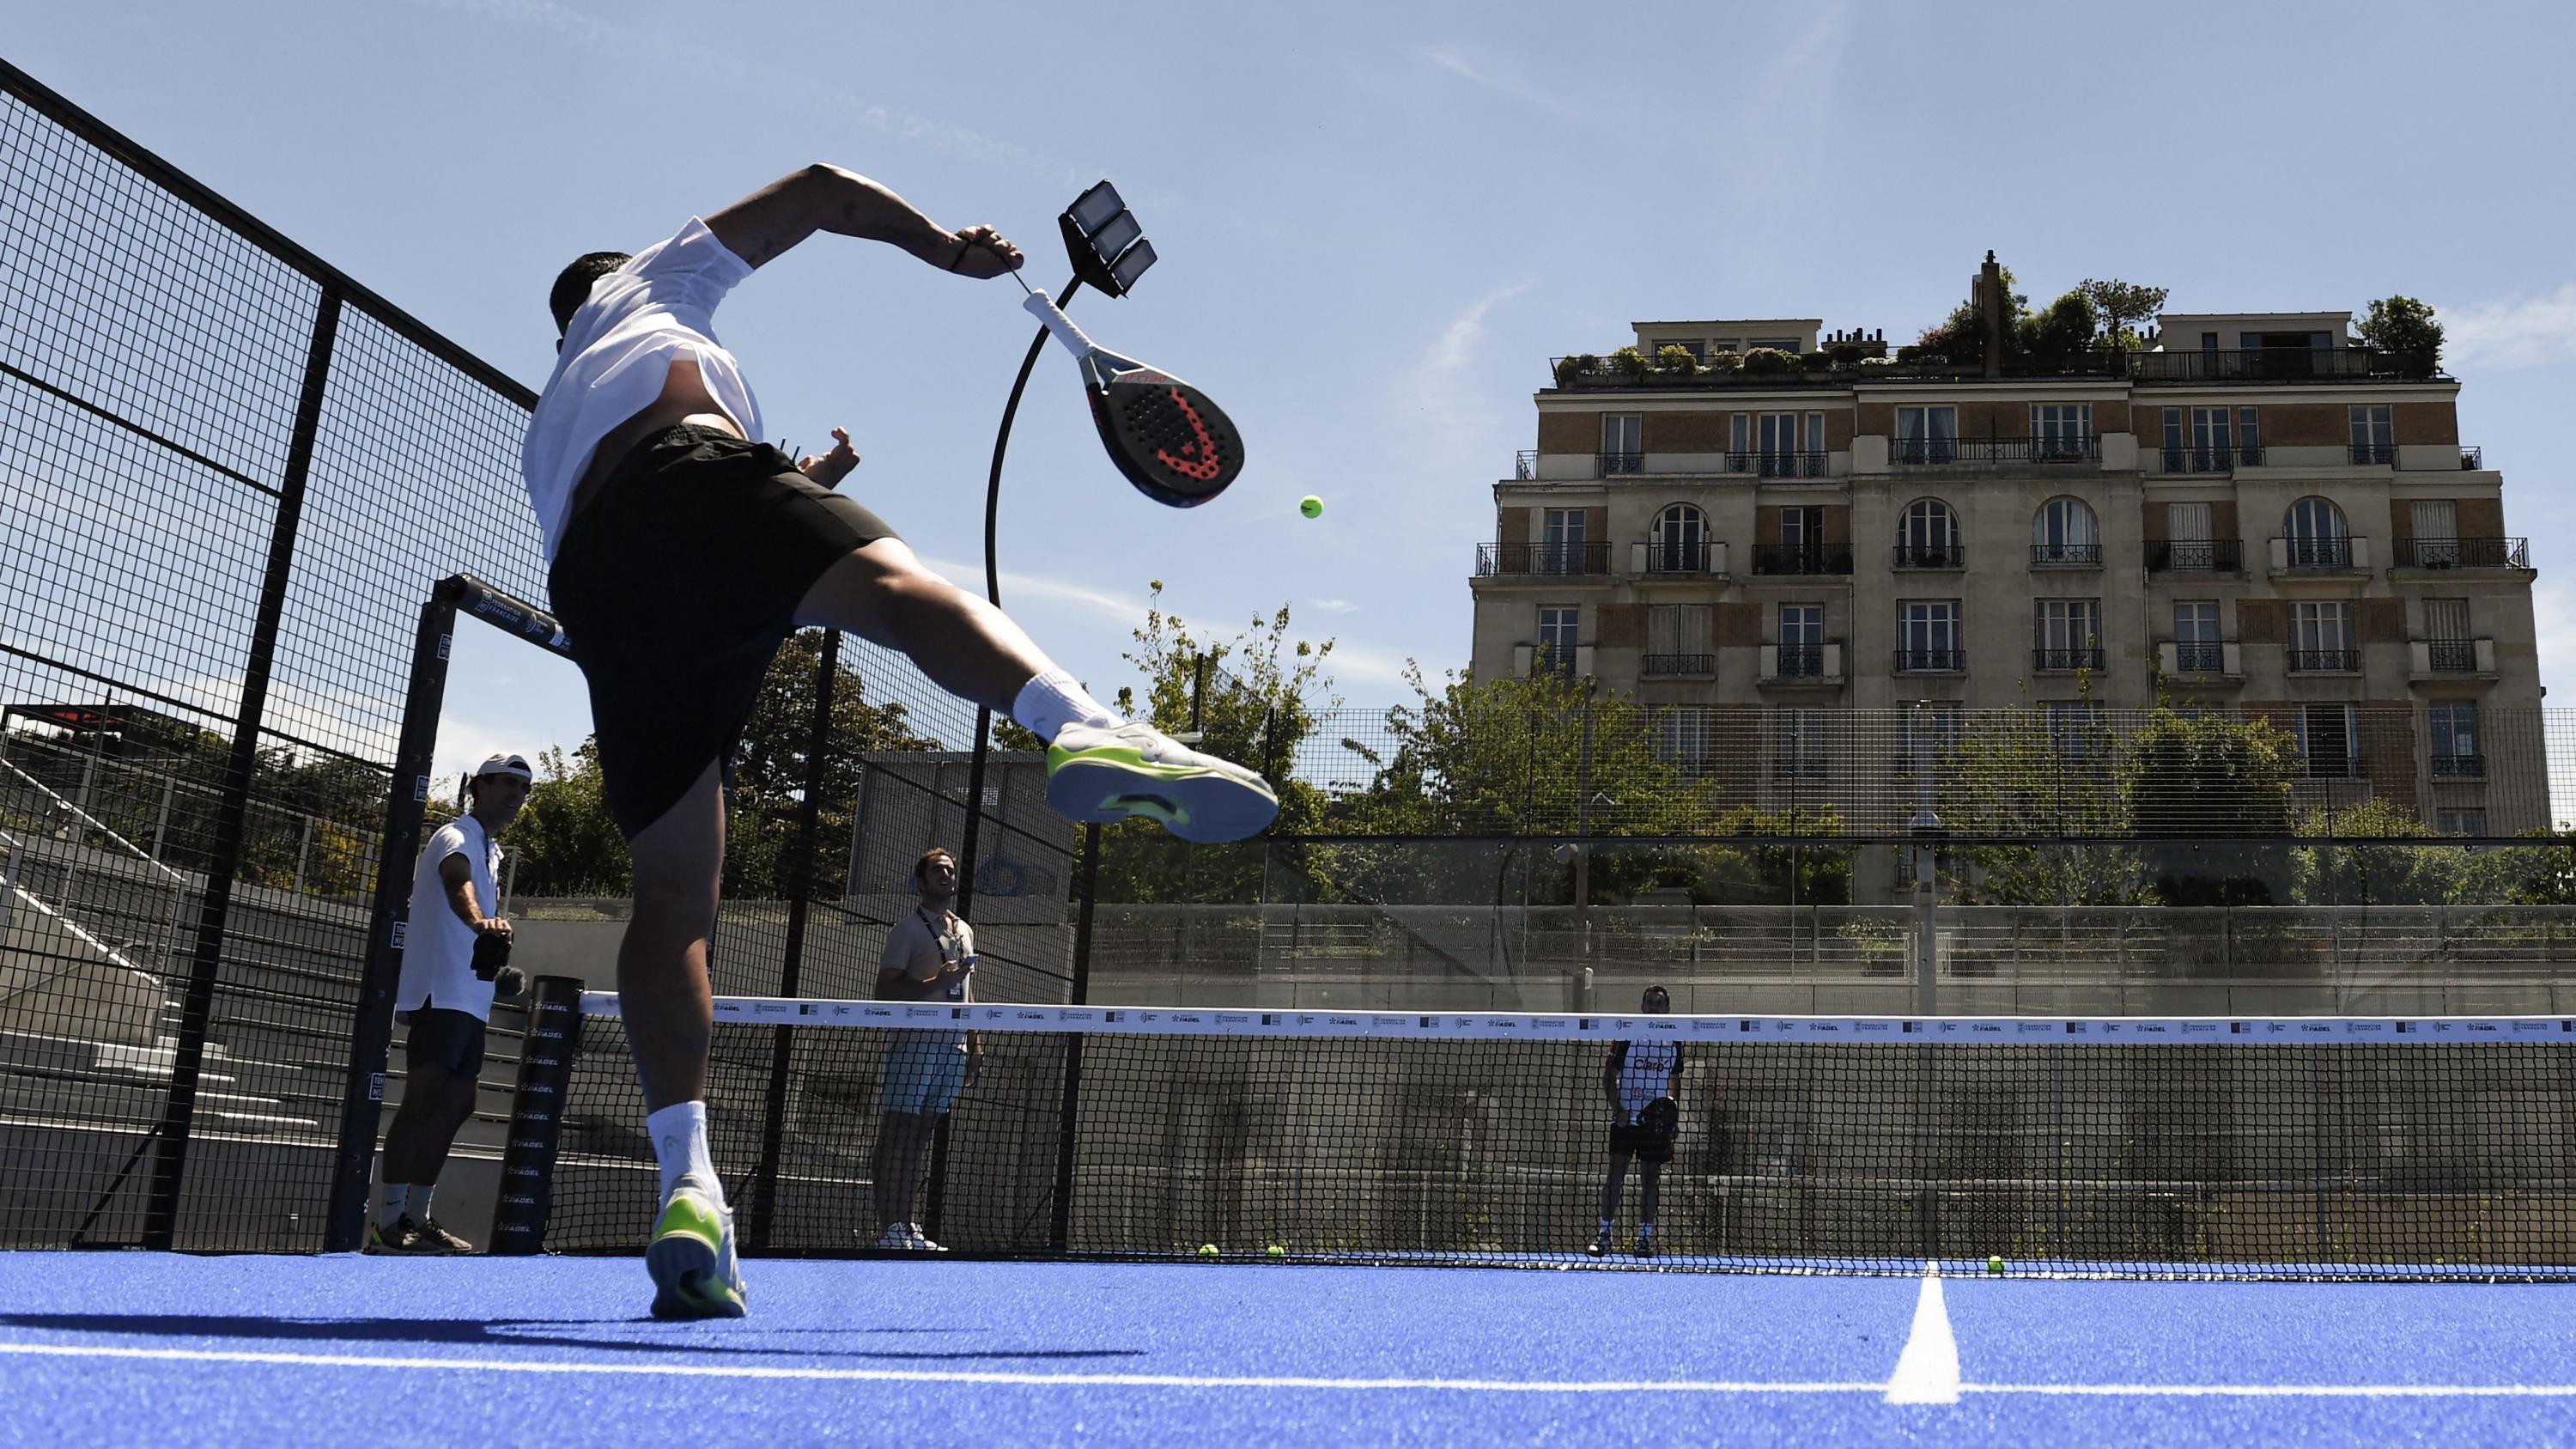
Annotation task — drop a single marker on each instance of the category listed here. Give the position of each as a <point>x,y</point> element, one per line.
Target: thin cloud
<point>1501,78</point>
<point>1334,606</point>
<point>2532,332</point>
<point>1020,590</point>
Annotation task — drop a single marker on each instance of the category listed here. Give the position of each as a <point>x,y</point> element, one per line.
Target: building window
<point>1623,447</point>
<point>1558,629</point>
<point>2462,822</point>
<point>2061,430</point>
<point>2374,434</point>
<point>2189,542</point>
<point>2197,647</point>
<point>1801,751</point>
<point>2321,638</point>
<point>1927,636</point>
<point>1789,453</point>
<point>1679,639</point>
<point>2068,634</point>
<point>1681,736</point>
<point>2317,536</point>
<point>2448,645</point>
<point>1802,640</point>
<point>1927,435</point>
<point>1680,542</point>
<point>1561,541</point>
<point>2434,524</point>
<point>2456,755</point>
<point>1927,536</point>
<point>2063,533</point>
<point>2329,742</point>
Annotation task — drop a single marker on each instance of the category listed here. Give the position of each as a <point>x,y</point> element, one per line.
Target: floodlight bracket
<point>1097,244</point>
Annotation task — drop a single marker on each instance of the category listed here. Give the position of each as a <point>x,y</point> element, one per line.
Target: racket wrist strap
<point>1043,308</point>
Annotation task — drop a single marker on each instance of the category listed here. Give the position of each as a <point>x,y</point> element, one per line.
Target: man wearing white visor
<point>454,961</point>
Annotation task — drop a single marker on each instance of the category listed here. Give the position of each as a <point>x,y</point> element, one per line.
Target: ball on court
<point>1311,506</point>
<point>1207,1250</point>
<point>1995,1264</point>
<point>1277,1251</point>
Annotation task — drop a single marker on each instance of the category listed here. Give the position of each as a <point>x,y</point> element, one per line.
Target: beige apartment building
<point>2253,512</point>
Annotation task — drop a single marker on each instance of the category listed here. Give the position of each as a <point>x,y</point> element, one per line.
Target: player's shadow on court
<point>495,1333</point>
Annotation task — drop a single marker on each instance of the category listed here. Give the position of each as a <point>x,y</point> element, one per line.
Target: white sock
<point>1053,700</point>
<point>416,1200</point>
<point>679,1134</point>
<point>390,1203</point>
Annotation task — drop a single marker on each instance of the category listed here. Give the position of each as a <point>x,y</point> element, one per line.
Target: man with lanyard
<point>452,965</point>
<point>1643,1080</point>
<point>680,554</point>
<point>929,956</point>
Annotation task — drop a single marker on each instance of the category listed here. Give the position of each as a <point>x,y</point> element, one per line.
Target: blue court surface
<point>141,1348</point>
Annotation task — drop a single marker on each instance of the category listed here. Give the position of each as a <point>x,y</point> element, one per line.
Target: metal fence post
<point>760,1203</point>
<point>1060,1230</point>
<point>170,1159</point>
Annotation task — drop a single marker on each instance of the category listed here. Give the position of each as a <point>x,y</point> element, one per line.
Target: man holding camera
<point>455,960</point>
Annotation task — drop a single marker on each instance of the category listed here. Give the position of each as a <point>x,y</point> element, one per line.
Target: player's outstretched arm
<point>823,197</point>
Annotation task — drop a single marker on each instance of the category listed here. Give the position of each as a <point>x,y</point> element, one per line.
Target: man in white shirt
<point>929,956</point>
<point>681,554</point>
<point>447,1000</point>
<point>1643,1080</point>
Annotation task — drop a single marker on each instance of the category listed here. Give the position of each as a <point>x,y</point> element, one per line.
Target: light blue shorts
<point>924,1072</point>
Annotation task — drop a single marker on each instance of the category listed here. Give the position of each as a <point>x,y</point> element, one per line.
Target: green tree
<point>2117,304</point>
<point>2038,773</point>
<point>565,841</point>
<point>2062,328</point>
<point>2403,327</point>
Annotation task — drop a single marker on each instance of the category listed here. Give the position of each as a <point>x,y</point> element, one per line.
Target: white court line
<point>1927,1372</point>
<point>1193,1381</point>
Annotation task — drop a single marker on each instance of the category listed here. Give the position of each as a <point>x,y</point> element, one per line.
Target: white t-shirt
<point>657,309</point>
<point>1646,1073</point>
<point>438,948</point>
<point>954,940</point>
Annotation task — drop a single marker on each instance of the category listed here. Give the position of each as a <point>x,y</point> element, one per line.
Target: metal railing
<point>1800,661</point>
<point>1552,560</point>
<point>2452,656</point>
<point>1606,465</point>
<point>1931,661</point>
<point>2317,553</point>
<point>1679,664</point>
<point>1931,556</point>
<point>2332,767</point>
<point>1773,463</point>
<point>2472,457</point>
<point>2211,460</point>
<point>1670,557</point>
<point>1932,452</point>
<point>2372,453</point>
<point>2459,766</point>
<point>2062,660</point>
<point>1786,559</point>
<point>2468,553</point>
<point>2251,364</point>
<point>2204,555</point>
<point>1525,464</point>
<point>2323,661</point>
<point>2200,658</point>
<point>2066,555</point>
<point>2274,364</point>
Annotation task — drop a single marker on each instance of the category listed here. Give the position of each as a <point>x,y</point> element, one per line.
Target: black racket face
<point>1661,1118</point>
<point>1171,441</point>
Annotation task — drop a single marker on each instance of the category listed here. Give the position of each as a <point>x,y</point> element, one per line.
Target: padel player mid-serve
<point>681,554</point>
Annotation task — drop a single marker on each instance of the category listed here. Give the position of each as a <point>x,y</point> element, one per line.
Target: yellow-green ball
<point>1311,506</point>
<point>1277,1251</point>
<point>1995,1264</point>
<point>1207,1250</point>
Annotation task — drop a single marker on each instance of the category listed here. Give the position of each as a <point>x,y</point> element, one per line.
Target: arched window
<point>2063,533</point>
<point>1927,536</point>
<point>1679,544</point>
<point>2317,536</point>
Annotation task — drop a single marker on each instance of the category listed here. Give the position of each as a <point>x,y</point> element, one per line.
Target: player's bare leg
<point>1099,768</point>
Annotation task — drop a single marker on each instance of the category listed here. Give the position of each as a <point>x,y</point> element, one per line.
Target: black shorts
<point>1647,1146</point>
<point>449,1040</point>
<point>674,588</point>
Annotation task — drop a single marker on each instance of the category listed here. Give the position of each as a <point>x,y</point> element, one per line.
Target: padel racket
<point>1662,1119</point>
<point>1175,444</point>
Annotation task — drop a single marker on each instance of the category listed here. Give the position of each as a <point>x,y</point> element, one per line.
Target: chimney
<point>1990,313</point>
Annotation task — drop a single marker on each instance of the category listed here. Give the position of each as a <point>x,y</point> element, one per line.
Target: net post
<point>372,1027</point>
<point>232,820</point>
<point>536,1116</point>
<point>761,1201</point>
<point>1060,1227</point>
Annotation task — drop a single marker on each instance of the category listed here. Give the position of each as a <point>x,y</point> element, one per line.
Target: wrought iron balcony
<point>2468,553</point>
<point>2199,556</point>
<point>1679,664</point>
<point>1611,464</point>
<point>2372,453</point>
<point>1776,463</point>
<point>2456,766</point>
<point>2274,364</point>
<point>2066,555</point>
<point>1525,464</point>
<point>1495,560</point>
<point>2062,661</point>
<point>1801,559</point>
<point>1932,452</point>
<point>2199,657</point>
<point>2324,661</point>
<point>2314,553</point>
<point>1931,661</point>
<point>1680,556</point>
<point>1800,661</point>
<point>2452,656</point>
<point>2212,459</point>
<point>1931,556</point>
<point>2472,458</point>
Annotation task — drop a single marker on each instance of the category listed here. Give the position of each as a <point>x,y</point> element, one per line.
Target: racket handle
<point>1043,308</point>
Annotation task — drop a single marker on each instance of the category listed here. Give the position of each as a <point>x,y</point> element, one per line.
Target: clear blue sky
<point>1377,223</point>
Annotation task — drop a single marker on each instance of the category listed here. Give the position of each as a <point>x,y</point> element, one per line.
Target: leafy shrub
<point>1769,362</point>
<point>1676,359</point>
<point>1630,361</point>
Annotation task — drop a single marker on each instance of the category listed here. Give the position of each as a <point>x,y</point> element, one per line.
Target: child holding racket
<point>681,554</point>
